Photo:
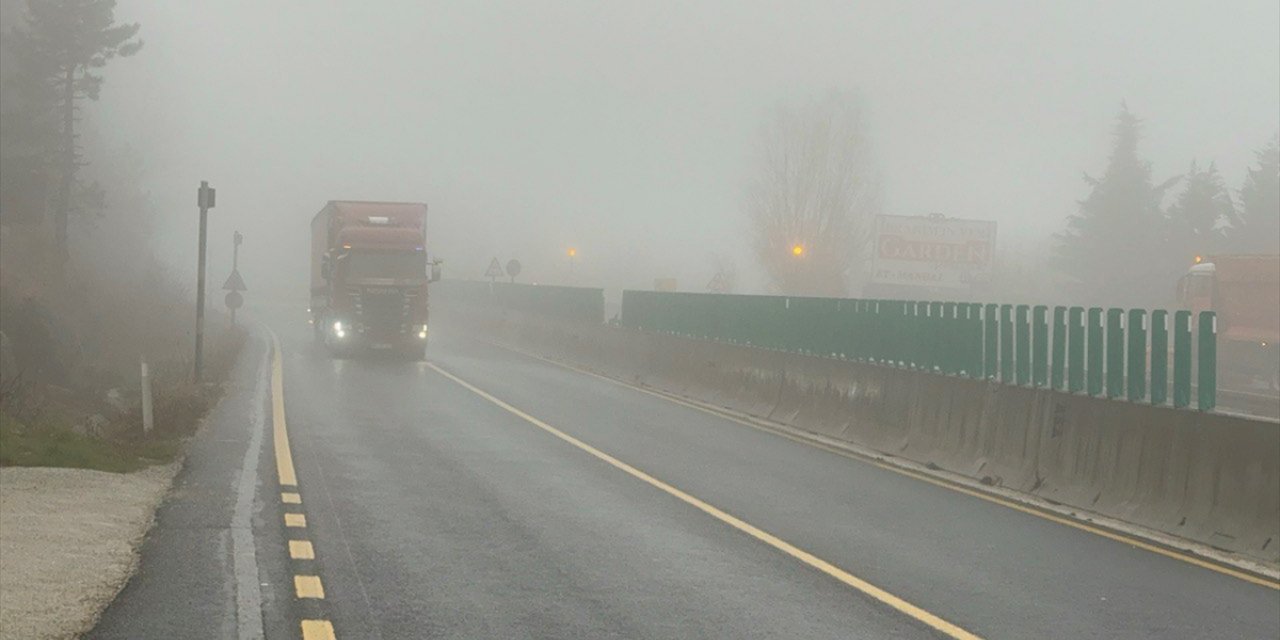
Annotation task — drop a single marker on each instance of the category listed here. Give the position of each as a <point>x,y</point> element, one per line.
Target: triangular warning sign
<point>494,270</point>
<point>234,282</point>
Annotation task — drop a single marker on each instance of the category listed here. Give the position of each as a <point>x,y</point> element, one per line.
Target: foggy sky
<point>626,131</point>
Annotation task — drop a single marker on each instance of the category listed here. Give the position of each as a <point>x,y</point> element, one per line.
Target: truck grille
<point>384,311</point>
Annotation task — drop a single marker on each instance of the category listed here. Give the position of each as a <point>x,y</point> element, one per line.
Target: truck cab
<point>370,277</point>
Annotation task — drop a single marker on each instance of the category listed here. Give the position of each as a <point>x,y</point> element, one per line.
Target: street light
<point>797,250</point>
<point>573,252</point>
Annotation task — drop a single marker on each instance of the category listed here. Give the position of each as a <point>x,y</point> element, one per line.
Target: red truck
<point>369,275</point>
<point>1244,291</point>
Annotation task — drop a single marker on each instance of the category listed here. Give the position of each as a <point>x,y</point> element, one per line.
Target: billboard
<point>932,251</point>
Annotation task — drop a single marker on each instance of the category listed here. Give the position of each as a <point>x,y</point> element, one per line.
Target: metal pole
<point>204,218</point>
<point>235,264</point>
<point>147,416</point>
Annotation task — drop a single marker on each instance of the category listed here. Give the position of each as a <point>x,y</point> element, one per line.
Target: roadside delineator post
<point>148,420</point>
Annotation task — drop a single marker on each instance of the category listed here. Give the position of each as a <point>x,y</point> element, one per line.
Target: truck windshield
<point>400,265</point>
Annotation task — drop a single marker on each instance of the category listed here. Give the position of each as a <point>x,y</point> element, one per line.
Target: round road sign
<point>234,299</point>
<point>513,268</point>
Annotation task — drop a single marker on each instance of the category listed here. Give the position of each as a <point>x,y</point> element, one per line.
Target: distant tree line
<point>1125,245</point>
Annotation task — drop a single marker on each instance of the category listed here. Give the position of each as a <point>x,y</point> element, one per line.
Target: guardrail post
<point>1137,373</point>
<point>990,341</point>
<point>1159,356</point>
<point>1207,354</point>
<point>1075,349</point>
<point>1058,372</point>
<point>1094,368</point>
<point>1040,345</point>
<point>1181,359</point>
<point>1023,355</point>
<point>1006,343</point>
<point>1115,352</point>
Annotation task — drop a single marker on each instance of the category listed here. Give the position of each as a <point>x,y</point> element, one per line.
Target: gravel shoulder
<point>68,543</point>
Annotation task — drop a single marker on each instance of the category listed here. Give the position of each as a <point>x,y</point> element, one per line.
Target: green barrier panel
<point>1075,349</point>
<point>1115,352</point>
<point>990,341</point>
<point>1137,369</point>
<point>1006,343</point>
<point>1023,332</point>
<point>1207,353</point>
<point>1040,345</point>
<point>1058,366</point>
<point>973,333</point>
<point>1093,369</point>
<point>1159,356</point>
<point>940,358</point>
<point>1181,359</point>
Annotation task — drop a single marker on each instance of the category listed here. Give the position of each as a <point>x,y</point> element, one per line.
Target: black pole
<point>204,217</point>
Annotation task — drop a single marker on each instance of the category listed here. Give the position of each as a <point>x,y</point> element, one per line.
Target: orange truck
<point>1244,291</point>
<point>369,276</point>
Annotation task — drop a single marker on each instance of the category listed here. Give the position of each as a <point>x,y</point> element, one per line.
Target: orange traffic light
<point>797,250</point>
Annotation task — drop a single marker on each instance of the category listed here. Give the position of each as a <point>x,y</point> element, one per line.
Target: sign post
<point>513,269</point>
<point>205,199</point>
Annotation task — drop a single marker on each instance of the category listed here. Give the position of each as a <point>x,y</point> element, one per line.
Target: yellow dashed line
<point>906,608</point>
<point>317,630</point>
<point>308,586</point>
<point>301,550</point>
<point>303,585</point>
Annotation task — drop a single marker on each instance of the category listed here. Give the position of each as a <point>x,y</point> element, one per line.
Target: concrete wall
<point>1210,478</point>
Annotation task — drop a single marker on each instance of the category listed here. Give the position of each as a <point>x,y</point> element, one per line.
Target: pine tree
<point>63,44</point>
<point>1258,229</point>
<point>1199,216</point>
<point>1113,245</point>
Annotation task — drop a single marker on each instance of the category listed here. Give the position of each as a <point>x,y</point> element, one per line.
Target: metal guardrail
<point>1114,353</point>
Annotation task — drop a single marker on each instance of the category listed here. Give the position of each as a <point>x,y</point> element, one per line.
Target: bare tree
<point>814,196</point>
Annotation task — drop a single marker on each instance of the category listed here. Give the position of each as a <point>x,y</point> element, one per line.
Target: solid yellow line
<point>301,550</point>
<point>284,458</point>
<point>317,630</point>
<point>289,497</point>
<point>308,586</point>
<point>295,520</point>
<point>933,621</point>
<point>1063,520</point>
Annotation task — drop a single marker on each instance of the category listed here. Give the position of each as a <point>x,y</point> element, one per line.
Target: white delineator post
<point>147,418</point>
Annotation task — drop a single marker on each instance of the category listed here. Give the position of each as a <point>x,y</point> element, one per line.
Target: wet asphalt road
<point>436,513</point>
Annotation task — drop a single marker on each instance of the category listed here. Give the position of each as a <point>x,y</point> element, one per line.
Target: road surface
<point>488,494</point>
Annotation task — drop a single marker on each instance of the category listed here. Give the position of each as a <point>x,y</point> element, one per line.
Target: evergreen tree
<point>1258,229</point>
<point>1112,246</point>
<point>63,45</point>
<point>1199,216</point>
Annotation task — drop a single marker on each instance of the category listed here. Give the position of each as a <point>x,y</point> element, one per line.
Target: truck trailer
<point>369,276</point>
<point>1244,291</point>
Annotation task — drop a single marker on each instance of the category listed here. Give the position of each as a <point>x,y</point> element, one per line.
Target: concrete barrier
<point>1208,478</point>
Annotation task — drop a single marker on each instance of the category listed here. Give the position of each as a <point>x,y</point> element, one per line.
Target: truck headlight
<point>339,330</point>
<point>422,332</point>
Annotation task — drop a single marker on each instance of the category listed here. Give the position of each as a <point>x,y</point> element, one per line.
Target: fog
<point>627,131</point>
